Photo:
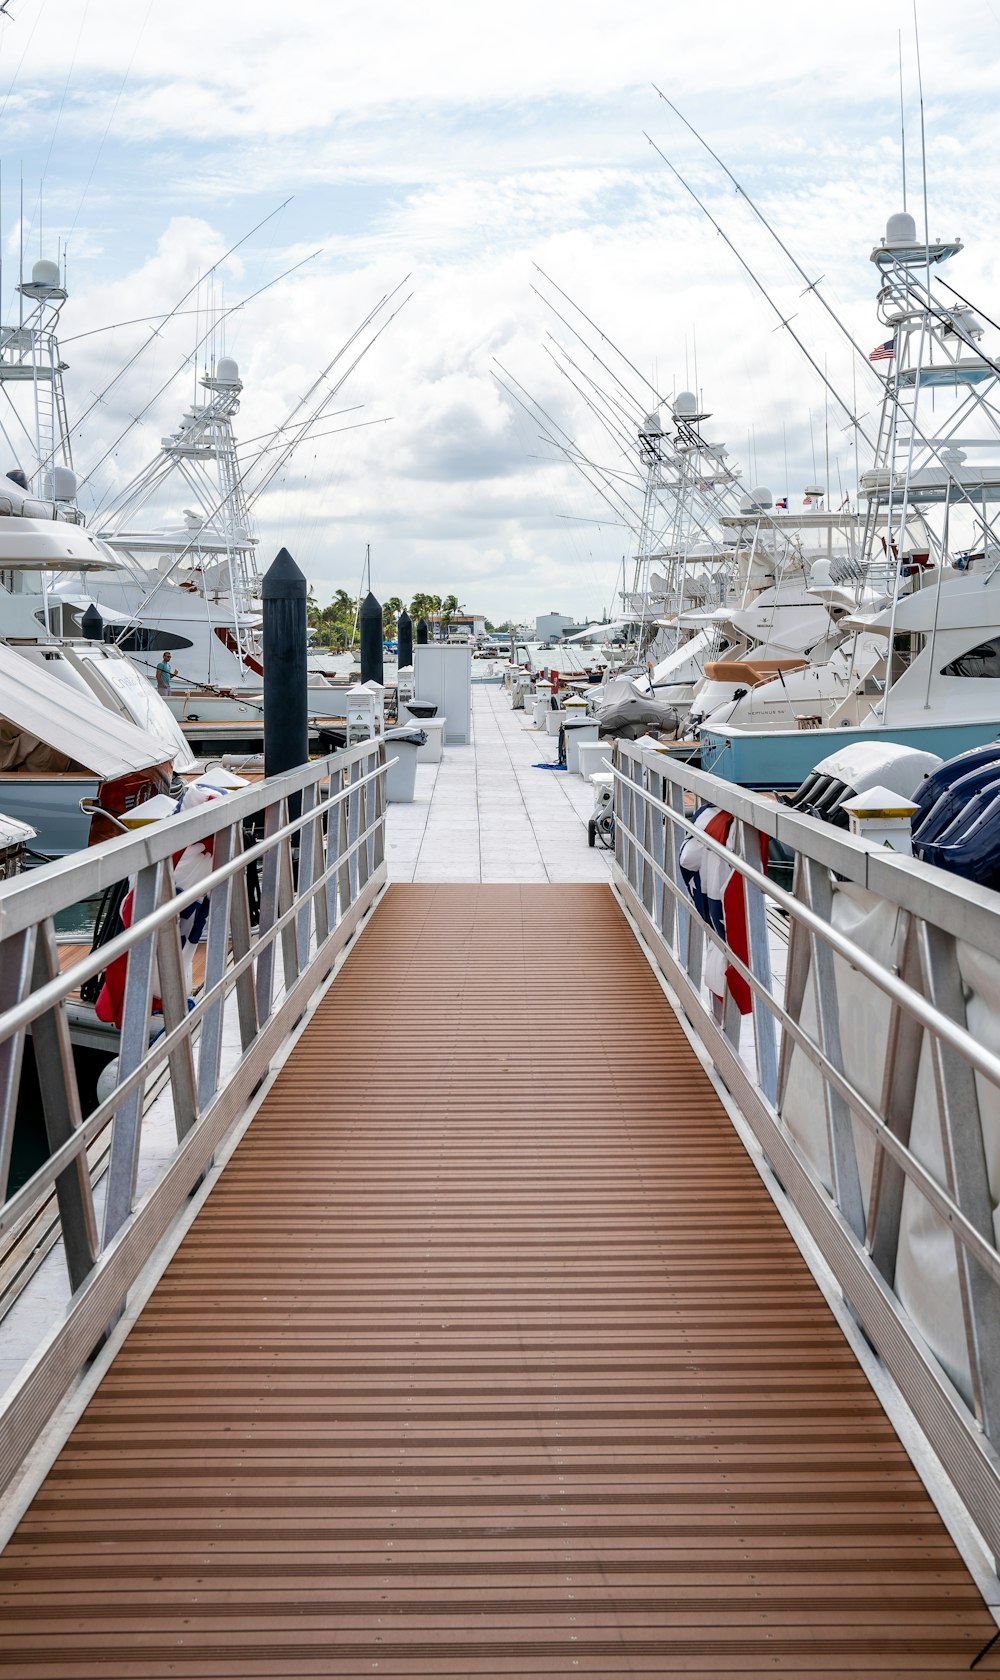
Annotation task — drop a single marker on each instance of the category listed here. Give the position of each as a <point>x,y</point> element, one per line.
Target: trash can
<point>403,745</point>
<point>420,708</point>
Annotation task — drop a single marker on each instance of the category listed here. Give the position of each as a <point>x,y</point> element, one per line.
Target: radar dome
<point>685,405</point>
<point>61,483</point>
<point>761,498</point>
<point>45,273</point>
<point>746,504</point>
<point>901,229</point>
<point>227,372</point>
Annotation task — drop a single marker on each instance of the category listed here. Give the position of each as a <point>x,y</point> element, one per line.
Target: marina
<point>499,886</point>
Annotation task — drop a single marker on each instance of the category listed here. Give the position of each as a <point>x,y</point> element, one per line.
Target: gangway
<point>496,1311</point>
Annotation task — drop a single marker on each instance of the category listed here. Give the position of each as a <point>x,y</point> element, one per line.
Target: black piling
<point>422,636</point>
<point>286,709</point>
<point>404,640</point>
<point>92,624</point>
<point>370,623</point>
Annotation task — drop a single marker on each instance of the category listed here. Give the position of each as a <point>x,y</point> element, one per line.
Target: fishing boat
<point>930,524</point>
<point>71,768</point>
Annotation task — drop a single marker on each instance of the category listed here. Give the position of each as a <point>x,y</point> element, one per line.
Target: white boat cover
<point>39,712</point>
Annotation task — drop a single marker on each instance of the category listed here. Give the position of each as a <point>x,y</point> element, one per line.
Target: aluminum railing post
<point>216,950</point>
<point>765,1038</point>
<point>174,999</point>
<point>656,843</point>
<point>966,1171</point>
<point>274,818</point>
<point>840,1128</point>
<point>900,1072</point>
<point>241,933</point>
<point>16,958</point>
<point>61,1108</point>
<point>306,876</point>
<point>123,1159</point>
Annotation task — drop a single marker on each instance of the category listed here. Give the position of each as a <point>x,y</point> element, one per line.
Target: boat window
<point>144,639</point>
<point>983,660</point>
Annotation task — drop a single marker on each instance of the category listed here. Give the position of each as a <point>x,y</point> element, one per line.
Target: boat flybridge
<point>180,582</point>
<point>794,647</point>
<point>83,738</point>
<point>683,561</point>
<point>933,496</point>
<point>737,606</point>
<point>192,587</point>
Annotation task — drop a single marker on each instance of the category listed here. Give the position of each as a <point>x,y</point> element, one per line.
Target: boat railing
<point>866,1067</point>
<point>294,864</point>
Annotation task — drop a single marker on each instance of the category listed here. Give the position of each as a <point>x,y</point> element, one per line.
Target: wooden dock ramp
<point>488,1355</point>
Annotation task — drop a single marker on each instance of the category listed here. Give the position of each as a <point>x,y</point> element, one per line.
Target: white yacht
<point>932,497</point>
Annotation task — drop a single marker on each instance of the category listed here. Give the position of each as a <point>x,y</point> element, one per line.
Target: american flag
<point>883,352</point>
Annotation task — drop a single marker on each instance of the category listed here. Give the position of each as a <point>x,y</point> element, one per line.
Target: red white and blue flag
<point>883,352</point>
<point>783,502</point>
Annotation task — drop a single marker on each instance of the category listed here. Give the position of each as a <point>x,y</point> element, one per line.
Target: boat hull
<point>784,758</point>
<point>51,804</point>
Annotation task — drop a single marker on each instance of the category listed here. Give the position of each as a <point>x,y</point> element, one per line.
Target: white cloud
<point>467,146</point>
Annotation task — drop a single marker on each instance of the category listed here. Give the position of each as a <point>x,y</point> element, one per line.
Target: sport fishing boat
<point>789,656</point>
<point>70,767</point>
<point>930,525</point>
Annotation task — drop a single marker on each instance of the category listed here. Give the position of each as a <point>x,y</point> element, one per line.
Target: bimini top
<point>96,739</point>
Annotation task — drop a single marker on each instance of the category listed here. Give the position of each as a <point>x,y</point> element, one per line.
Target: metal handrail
<point>985,1253</point>
<point>957,1038</point>
<point>860,1239</point>
<point>167,1042</point>
<point>311,903</point>
<point>70,980</point>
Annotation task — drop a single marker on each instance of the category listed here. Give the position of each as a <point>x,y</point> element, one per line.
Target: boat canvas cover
<point>45,726</point>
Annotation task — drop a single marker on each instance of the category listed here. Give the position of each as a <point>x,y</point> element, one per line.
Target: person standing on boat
<point>164,674</point>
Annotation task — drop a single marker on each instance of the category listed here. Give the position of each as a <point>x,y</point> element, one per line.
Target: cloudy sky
<point>456,148</point>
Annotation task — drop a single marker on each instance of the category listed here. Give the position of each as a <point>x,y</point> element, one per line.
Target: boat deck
<point>489,1354</point>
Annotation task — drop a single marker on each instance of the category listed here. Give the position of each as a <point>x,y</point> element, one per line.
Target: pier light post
<point>286,710</point>
<point>370,622</point>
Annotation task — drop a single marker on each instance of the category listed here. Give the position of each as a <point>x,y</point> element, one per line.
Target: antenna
<point>902,118</point>
<point>20,257</point>
<point>923,146</point>
<point>826,436</point>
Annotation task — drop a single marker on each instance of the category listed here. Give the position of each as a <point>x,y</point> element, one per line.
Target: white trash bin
<point>401,777</point>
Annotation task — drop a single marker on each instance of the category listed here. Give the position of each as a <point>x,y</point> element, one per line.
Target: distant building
<point>551,627</point>
<point>556,627</point>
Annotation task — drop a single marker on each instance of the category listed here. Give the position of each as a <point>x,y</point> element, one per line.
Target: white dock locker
<point>443,675</point>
